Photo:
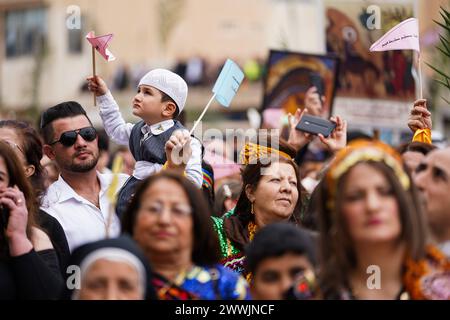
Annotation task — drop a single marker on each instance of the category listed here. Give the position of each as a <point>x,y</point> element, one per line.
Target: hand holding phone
<point>315,125</point>
<point>4,217</point>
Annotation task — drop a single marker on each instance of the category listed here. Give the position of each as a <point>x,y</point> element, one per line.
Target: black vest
<point>152,148</point>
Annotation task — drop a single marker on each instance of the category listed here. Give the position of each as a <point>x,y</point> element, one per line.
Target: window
<point>75,39</point>
<point>25,31</point>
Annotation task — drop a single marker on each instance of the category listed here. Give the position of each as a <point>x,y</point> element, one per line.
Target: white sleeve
<point>194,166</point>
<point>115,126</point>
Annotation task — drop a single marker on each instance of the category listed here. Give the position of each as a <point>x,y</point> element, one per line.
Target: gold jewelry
<point>251,228</point>
<point>252,211</point>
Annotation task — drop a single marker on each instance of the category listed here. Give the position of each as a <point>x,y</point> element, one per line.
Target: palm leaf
<point>444,49</point>
<point>438,71</point>
<point>447,85</point>
<point>447,53</point>
<point>448,102</point>
<point>442,25</point>
<point>445,15</point>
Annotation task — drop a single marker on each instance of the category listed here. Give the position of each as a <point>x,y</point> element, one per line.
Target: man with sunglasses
<point>78,199</point>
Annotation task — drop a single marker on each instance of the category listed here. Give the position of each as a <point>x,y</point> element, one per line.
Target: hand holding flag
<point>101,45</point>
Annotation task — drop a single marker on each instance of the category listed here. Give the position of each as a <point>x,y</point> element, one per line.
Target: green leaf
<point>447,53</point>
<point>438,71</point>
<point>444,16</point>
<point>447,13</point>
<point>442,25</point>
<point>443,83</point>
<point>448,102</point>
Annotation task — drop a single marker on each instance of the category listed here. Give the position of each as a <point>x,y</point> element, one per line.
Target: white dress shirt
<point>119,131</point>
<point>445,248</point>
<point>81,220</point>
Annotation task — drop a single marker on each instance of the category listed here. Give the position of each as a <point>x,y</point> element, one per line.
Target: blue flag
<point>228,82</point>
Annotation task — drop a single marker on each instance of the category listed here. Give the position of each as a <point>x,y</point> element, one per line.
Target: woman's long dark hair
<point>336,248</point>
<point>251,176</point>
<point>17,178</point>
<point>32,148</point>
<point>205,251</point>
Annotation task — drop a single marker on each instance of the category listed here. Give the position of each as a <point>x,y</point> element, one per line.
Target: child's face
<point>275,275</point>
<point>147,104</point>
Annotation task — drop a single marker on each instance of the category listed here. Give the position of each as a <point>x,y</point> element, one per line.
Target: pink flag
<point>404,36</point>
<point>101,43</point>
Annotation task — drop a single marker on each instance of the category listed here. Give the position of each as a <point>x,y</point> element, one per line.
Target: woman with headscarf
<point>110,269</point>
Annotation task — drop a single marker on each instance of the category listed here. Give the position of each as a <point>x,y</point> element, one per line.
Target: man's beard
<point>85,166</point>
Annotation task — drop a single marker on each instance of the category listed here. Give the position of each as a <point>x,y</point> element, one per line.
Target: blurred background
<point>45,58</point>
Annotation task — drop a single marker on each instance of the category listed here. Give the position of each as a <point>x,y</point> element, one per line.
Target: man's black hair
<point>278,239</point>
<point>66,109</point>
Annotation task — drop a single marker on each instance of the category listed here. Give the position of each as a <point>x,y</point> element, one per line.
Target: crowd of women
<point>361,233</point>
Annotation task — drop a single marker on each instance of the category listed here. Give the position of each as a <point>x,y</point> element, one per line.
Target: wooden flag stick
<point>203,113</point>
<point>93,71</point>
<point>420,76</point>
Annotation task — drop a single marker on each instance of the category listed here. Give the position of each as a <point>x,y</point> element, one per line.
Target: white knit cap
<point>168,82</point>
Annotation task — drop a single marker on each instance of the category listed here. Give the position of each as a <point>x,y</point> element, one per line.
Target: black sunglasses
<point>68,138</point>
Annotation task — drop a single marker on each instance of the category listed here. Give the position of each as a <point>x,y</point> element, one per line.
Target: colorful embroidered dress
<point>202,283</point>
<point>427,279</point>
<point>232,256</point>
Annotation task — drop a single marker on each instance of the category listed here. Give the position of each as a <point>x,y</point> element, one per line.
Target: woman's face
<point>369,206</point>
<point>4,175</point>
<point>12,138</point>
<point>164,221</point>
<point>276,194</point>
<point>111,280</point>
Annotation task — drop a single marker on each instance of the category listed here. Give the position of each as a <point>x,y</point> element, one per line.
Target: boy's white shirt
<point>119,131</point>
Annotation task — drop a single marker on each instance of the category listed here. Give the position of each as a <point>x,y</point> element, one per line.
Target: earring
<point>251,210</point>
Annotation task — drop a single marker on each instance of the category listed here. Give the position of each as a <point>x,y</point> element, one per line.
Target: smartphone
<point>4,217</point>
<point>315,125</point>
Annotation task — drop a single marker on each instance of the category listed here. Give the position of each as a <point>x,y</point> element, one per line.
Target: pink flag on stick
<point>101,45</point>
<point>404,36</point>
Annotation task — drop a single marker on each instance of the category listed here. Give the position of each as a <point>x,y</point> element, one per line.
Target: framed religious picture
<point>290,74</point>
<point>375,90</point>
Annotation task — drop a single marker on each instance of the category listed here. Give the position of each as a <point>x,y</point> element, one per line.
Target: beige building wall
<point>214,30</point>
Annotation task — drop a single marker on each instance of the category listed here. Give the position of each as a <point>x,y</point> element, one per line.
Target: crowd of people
<point>357,220</point>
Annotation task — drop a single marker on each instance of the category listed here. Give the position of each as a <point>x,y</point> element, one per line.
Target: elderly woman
<point>271,188</point>
<point>29,266</point>
<point>110,269</point>
<point>169,220</point>
<point>271,193</point>
<point>373,232</point>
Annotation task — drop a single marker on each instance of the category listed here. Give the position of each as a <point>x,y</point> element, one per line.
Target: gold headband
<point>364,150</point>
<point>253,152</point>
